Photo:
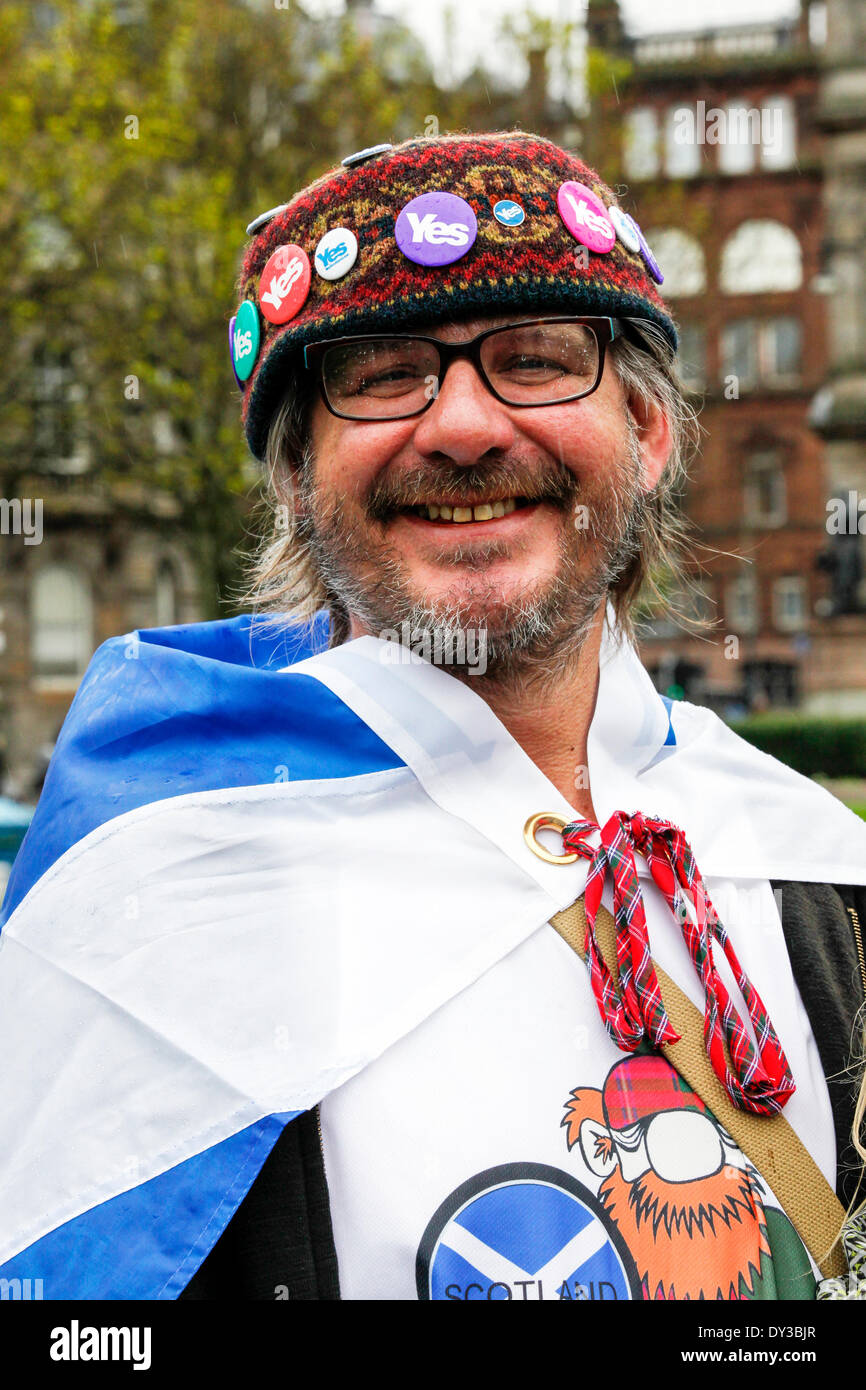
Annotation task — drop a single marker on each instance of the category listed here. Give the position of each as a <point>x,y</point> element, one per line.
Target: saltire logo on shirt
<point>523,1231</point>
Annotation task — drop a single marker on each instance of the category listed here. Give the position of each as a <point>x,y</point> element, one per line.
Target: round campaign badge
<point>585,216</point>
<point>232,322</point>
<point>436,228</point>
<point>361,156</point>
<point>263,218</point>
<point>650,261</point>
<point>509,213</point>
<point>336,253</point>
<point>524,1231</point>
<point>285,283</point>
<point>624,228</point>
<point>245,335</point>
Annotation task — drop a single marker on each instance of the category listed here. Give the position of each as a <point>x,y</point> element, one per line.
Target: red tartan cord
<point>760,1081</point>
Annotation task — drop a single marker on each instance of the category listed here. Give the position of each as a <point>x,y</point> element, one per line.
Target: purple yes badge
<point>650,261</point>
<point>436,229</point>
<point>232,350</point>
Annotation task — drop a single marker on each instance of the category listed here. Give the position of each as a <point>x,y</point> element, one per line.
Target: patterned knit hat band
<point>429,231</point>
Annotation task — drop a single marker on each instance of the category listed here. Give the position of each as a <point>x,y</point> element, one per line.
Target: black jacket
<point>279,1244</point>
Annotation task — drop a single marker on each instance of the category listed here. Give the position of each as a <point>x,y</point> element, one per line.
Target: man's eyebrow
<point>476,325</point>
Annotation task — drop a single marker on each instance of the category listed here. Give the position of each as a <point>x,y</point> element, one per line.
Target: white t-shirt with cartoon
<point>506,1149</point>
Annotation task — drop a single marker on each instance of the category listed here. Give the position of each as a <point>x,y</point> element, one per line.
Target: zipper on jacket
<point>858,941</point>
<point>321,1144</point>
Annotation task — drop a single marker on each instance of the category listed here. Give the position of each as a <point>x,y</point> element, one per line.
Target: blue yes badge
<point>336,252</point>
<point>509,213</point>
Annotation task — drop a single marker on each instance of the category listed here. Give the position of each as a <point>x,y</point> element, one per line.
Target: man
<point>280,931</point>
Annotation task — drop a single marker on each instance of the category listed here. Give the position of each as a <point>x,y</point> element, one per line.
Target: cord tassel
<point>757,1080</point>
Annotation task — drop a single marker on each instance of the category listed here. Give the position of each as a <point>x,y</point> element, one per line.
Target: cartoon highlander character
<point>687,1202</point>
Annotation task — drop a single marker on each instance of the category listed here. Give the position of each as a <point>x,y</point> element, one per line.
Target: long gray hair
<point>283,578</point>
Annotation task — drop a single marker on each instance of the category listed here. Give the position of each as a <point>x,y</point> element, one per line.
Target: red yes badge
<point>284,284</point>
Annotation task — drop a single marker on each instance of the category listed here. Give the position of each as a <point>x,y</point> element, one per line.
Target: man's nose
<point>465,421</point>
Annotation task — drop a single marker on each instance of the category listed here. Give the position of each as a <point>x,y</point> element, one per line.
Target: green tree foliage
<point>138,139</point>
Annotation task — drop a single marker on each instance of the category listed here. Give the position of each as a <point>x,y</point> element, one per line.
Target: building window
<point>693,355</point>
<point>740,352</point>
<point>62,622</point>
<point>166,595</point>
<point>779,143</point>
<point>738,134</point>
<point>701,600</point>
<point>818,24</point>
<point>640,143</point>
<point>790,603</point>
<point>767,684</point>
<point>681,258</point>
<point>764,493</point>
<point>748,136</point>
<point>762,352</point>
<point>761,256</point>
<point>741,604</point>
<point>682,151</point>
<point>690,600</point>
<point>56,442</point>
<point>53,432</point>
<point>779,350</point>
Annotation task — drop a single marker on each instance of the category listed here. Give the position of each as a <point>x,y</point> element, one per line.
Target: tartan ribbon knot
<point>758,1079</point>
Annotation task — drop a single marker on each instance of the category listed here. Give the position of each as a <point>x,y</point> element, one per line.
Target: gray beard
<point>537,635</point>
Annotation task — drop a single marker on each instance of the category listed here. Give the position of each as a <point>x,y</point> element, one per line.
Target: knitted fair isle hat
<point>523,225</point>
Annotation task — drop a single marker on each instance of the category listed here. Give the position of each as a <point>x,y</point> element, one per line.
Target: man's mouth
<point>461,513</point>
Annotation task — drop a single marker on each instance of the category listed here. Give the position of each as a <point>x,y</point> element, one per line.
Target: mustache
<point>542,483</point>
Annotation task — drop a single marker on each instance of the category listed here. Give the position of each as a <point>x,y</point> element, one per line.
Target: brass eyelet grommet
<point>546,820</point>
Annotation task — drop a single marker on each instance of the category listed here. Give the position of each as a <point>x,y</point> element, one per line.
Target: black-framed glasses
<point>391,377</point>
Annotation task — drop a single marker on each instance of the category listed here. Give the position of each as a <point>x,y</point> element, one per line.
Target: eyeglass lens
<point>535,364</point>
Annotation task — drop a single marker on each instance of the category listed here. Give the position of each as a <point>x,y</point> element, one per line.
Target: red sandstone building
<point>724,161</point>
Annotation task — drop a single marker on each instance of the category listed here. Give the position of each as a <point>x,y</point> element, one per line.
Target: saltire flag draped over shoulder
<point>160,714</point>
<point>152,720</point>
<point>183,964</point>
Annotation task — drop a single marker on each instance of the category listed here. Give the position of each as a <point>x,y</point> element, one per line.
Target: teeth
<point>482,511</point>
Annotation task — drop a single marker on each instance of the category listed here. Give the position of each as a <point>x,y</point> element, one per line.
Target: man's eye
<point>526,363</point>
<point>389,380</point>
<point>389,375</point>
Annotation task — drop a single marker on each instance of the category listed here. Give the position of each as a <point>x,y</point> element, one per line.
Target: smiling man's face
<point>561,490</point>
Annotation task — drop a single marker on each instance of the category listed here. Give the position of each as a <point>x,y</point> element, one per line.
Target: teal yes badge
<point>245,339</point>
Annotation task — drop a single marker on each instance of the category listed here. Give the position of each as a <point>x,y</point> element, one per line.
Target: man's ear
<point>653,437</point>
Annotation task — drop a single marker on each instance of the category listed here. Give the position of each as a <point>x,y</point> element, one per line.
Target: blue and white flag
<point>255,866</point>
